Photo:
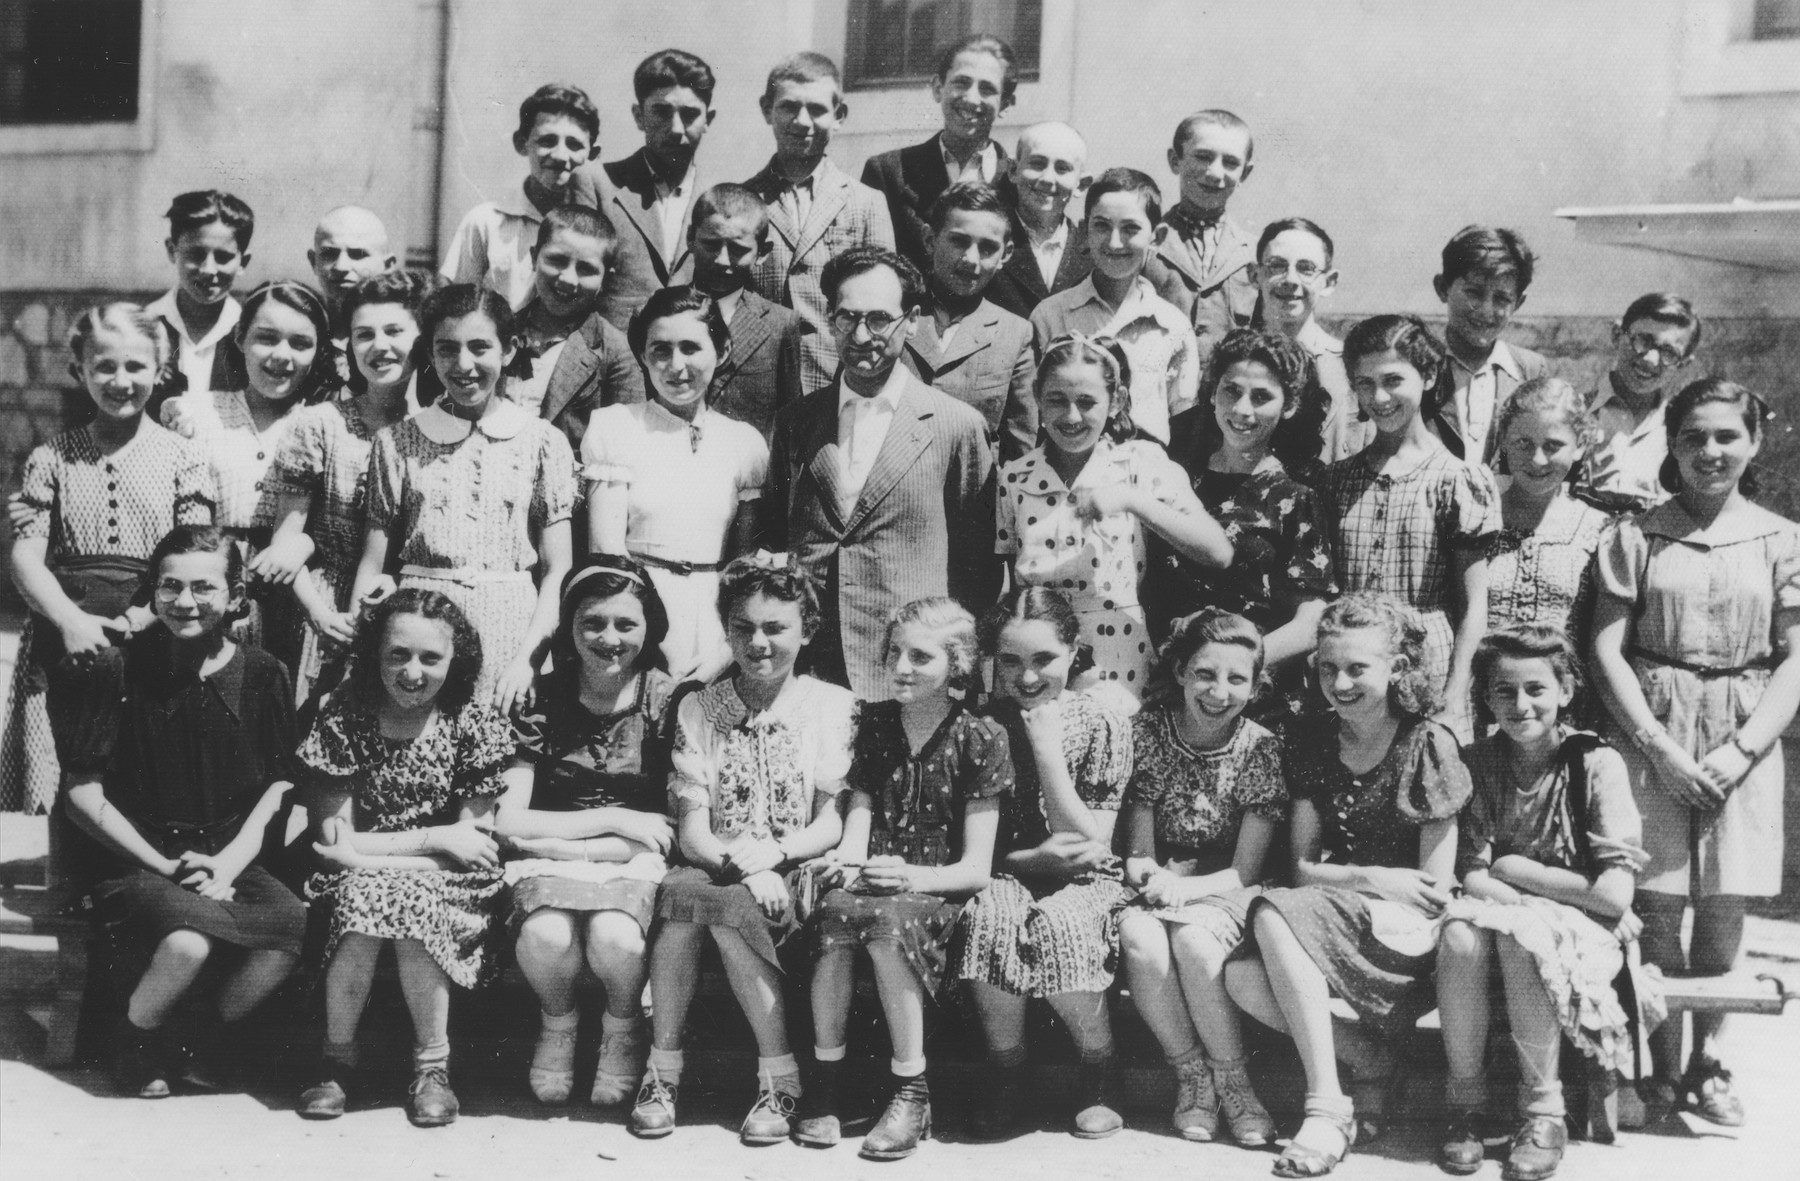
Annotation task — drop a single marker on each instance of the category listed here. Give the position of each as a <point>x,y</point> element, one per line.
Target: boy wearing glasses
<point>878,483</point>
<point>1655,340</point>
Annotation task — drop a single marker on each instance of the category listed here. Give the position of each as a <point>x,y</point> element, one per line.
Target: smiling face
<point>1211,164</point>
<point>279,346</point>
<point>1050,169</point>
<point>1031,663</point>
<point>674,120</point>
<point>570,269</point>
<point>1355,670</point>
<point>382,336</point>
<point>680,357</point>
<point>207,261</point>
<point>803,115</point>
<point>193,594</point>
<point>416,654</point>
<point>1540,449</point>
<point>609,633</point>
<point>1650,355</point>
<point>1217,682</point>
<point>1712,449</point>
<point>1389,390</point>
<point>1293,274</point>
<point>1477,309</point>
<point>918,663</point>
<point>968,252</point>
<point>969,94</point>
<point>1527,697</point>
<point>468,356</point>
<point>556,146</point>
<point>1120,235</point>
<point>1248,404</point>
<point>766,635</point>
<point>118,370</point>
<point>725,249</point>
<point>1074,404</point>
<point>349,246</point>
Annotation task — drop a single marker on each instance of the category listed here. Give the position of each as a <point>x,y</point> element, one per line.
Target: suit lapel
<point>823,458</point>
<point>1235,250</point>
<point>634,196</point>
<point>749,328</point>
<point>922,170</point>
<point>767,184</point>
<point>906,437</point>
<point>975,333</point>
<point>831,191</point>
<point>577,368</point>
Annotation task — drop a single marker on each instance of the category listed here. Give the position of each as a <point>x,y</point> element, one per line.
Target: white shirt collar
<point>888,399</point>
<point>167,307</point>
<point>988,157</point>
<point>664,189</point>
<point>504,421</point>
<point>669,418</point>
<point>517,204</point>
<point>1500,358</point>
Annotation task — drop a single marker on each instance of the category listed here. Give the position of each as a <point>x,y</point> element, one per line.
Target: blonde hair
<point>1551,396</point>
<point>954,627</point>
<point>121,317</point>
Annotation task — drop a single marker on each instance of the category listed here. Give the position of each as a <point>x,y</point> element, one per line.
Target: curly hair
<point>783,579</point>
<point>1711,389</point>
<point>322,380</point>
<point>197,539</point>
<point>1527,641</point>
<point>408,289</point>
<point>1554,398</point>
<point>1409,687</point>
<point>1209,625</point>
<point>601,576</point>
<point>954,627</point>
<point>1298,437</point>
<point>1115,371</point>
<point>465,647</point>
<point>1034,604</point>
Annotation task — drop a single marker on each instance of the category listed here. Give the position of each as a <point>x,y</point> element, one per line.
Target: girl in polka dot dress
<point>1072,513</point>
<point>94,503</point>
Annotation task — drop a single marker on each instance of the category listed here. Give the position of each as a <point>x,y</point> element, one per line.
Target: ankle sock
<point>432,1053</point>
<point>561,1022</point>
<point>834,1054</point>
<point>1465,1094</point>
<point>1099,1054</point>
<point>345,1052</point>
<point>1008,1058</point>
<point>908,1069</point>
<point>668,1064</point>
<point>610,1024</point>
<point>783,1073</point>
<point>1187,1057</point>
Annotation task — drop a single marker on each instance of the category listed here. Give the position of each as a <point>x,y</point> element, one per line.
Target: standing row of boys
<point>787,398</point>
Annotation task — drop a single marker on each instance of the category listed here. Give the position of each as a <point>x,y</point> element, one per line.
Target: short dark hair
<point>464,299</point>
<point>989,44</point>
<point>197,539</point>
<point>1668,308</point>
<point>1298,437</point>
<point>1526,641</point>
<point>970,196</point>
<point>1214,117</point>
<point>1127,180</point>
<point>778,576</point>
<point>465,647</point>
<point>860,260</point>
<point>674,301</point>
<point>1691,398</point>
<point>579,219</point>
<point>202,207</point>
<point>730,200</point>
<point>322,377</point>
<point>1277,228</point>
<point>805,66</point>
<point>1209,625</point>
<point>1488,251</point>
<point>673,67</point>
<point>1033,604</point>
<point>601,576</point>
<point>558,98</point>
<point>1405,335</point>
<point>408,289</point>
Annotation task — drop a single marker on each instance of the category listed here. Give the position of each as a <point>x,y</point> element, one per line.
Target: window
<point>69,61</point>
<point>1775,20</point>
<point>897,42</point>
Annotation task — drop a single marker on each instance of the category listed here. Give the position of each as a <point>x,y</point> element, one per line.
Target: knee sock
<point>667,1064</point>
<point>432,1053</point>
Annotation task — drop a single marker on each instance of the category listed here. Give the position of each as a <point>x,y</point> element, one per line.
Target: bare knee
<point>185,946</point>
<point>613,934</point>
<point>1199,950</point>
<point>546,933</point>
<point>1143,938</point>
<point>1459,940</point>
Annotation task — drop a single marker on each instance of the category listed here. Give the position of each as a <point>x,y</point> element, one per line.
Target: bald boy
<point>349,245</point>
<point>1047,172</point>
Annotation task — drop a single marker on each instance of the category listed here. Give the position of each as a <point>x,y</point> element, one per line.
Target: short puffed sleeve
<point>1305,570</point>
<point>1615,828</point>
<point>1259,787</point>
<point>1434,783</point>
<point>553,493</point>
<point>1471,511</point>
<point>1099,744</point>
<point>87,705</point>
<point>603,453</point>
<point>1479,821</point>
<point>694,758</point>
<point>1154,472</point>
<point>753,464</point>
<point>985,768</point>
<point>1787,569</point>
<point>1148,783</point>
<point>330,751</point>
<point>387,480</point>
<point>37,493</point>
<point>1006,504</point>
<point>299,465</point>
<point>1623,554</point>
<point>484,746</point>
<point>833,712</point>
<point>196,489</point>
<point>531,730</point>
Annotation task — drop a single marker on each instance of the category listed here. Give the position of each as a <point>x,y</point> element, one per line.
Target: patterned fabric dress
<point>324,458</point>
<point>916,813</point>
<point>185,759</point>
<point>1709,605</point>
<point>582,760</point>
<point>1199,799</point>
<point>464,505</point>
<point>1375,954</point>
<point>1576,957</point>
<point>756,775</point>
<point>101,516</point>
<point>1547,576</point>
<point>408,784</point>
<point>1398,534</point>
<point>1097,564</point>
<point>1041,937</point>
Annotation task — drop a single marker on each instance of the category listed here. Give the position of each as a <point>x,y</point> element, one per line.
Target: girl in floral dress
<point>93,505</point>
<point>1205,800</point>
<point>760,758</point>
<point>1073,513</point>
<point>405,766</point>
<point>925,790</point>
<point>586,817</point>
<point>472,496</point>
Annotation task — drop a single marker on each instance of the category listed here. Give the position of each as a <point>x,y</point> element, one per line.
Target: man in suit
<point>965,346</point>
<point>881,485</point>
<point>652,192</point>
<point>1050,252</point>
<point>728,233</point>
<point>976,81</point>
<point>815,210</point>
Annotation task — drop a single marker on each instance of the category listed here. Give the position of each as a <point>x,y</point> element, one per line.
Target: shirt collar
<point>443,428</point>
<point>166,307</point>
<point>810,180</point>
<point>517,204</point>
<point>888,399</point>
<point>1500,358</point>
<point>988,155</point>
<point>1085,292</point>
<point>1608,393</point>
<point>1669,519</point>
<point>669,420</point>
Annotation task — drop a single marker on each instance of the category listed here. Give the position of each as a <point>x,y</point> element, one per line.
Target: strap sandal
<point>1323,1118</point>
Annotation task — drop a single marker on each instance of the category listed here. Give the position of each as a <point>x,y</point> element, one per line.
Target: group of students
<point>1236,578</point>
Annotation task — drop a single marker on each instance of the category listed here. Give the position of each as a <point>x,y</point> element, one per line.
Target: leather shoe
<point>906,1121</point>
<point>771,1119</point>
<point>1096,1119</point>
<point>328,1097</point>
<point>1461,1150</point>
<point>654,1114</point>
<point>1537,1149</point>
<point>146,1062</point>
<point>431,1103</point>
<point>996,1112</point>
<point>816,1116</point>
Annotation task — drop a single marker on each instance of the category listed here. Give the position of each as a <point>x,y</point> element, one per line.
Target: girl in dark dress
<point>586,819</point>
<point>175,751</point>
<point>926,781</point>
